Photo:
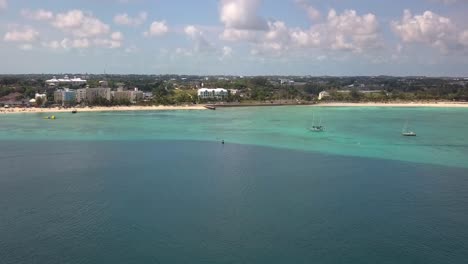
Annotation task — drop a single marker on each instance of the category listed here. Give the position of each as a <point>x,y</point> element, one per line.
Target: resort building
<point>66,81</point>
<point>90,95</point>
<point>132,96</point>
<point>65,97</point>
<point>216,93</point>
<point>81,95</point>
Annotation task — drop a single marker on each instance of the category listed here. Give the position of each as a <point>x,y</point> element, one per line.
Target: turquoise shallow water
<point>353,131</point>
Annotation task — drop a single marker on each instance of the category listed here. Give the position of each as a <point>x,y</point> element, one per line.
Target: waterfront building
<point>212,93</point>
<point>90,95</point>
<point>93,94</point>
<point>65,96</point>
<point>133,96</point>
<point>81,95</point>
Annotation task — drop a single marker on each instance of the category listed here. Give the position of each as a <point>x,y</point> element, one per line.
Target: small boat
<point>406,132</point>
<point>210,107</point>
<point>50,117</point>
<point>74,111</point>
<point>317,128</point>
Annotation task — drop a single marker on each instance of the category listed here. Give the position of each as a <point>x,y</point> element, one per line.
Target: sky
<point>235,37</point>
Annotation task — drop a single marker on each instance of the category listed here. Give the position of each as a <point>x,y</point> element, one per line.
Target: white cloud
<point>227,52</point>
<point>242,14</point>
<point>463,38</point>
<point>311,11</point>
<point>115,41</point>
<point>39,15</point>
<point>75,43</point>
<point>80,24</point>
<point>347,31</point>
<point>117,36</point>
<point>3,4</point>
<point>230,34</point>
<point>22,35</point>
<point>429,28</point>
<point>108,43</point>
<point>125,19</point>
<point>52,44</point>
<point>157,28</point>
<point>201,44</point>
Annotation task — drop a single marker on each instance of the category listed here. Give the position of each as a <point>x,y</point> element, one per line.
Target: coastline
<point>19,110</point>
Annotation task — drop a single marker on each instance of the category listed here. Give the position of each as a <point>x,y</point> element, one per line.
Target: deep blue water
<point>203,202</point>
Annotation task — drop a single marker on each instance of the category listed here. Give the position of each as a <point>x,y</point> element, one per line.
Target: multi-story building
<point>90,95</point>
<point>81,95</point>
<point>65,97</point>
<point>93,94</point>
<point>130,96</point>
<point>216,93</point>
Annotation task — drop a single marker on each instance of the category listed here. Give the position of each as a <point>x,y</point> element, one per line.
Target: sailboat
<point>406,132</point>
<point>315,127</point>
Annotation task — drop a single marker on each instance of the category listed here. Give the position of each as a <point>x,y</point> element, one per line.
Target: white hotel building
<point>216,93</point>
<point>66,80</point>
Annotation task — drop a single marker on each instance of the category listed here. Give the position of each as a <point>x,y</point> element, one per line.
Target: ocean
<point>159,187</point>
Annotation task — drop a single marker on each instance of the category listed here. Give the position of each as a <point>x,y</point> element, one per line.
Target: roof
<point>212,89</point>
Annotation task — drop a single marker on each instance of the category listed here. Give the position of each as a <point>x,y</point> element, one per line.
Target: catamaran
<point>406,132</point>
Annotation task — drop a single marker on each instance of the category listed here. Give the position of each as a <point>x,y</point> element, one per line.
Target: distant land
<point>81,90</point>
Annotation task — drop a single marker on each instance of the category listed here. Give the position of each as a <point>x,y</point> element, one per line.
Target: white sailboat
<point>317,127</point>
<point>406,132</point>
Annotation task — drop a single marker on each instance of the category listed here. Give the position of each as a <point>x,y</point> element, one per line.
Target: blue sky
<point>239,37</point>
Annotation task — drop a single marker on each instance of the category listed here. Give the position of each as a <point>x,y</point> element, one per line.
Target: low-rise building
<point>212,93</point>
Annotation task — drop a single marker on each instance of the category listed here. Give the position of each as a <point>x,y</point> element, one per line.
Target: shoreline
<point>21,110</point>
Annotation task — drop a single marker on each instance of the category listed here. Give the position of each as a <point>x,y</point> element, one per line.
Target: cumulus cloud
<point>39,15</point>
<point>3,4</point>
<point>242,14</point>
<point>311,11</point>
<point>201,44</point>
<point>22,35</point>
<point>80,24</point>
<point>157,28</point>
<point>347,31</point>
<point>431,29</point>
<point>82,43</point>
<point>114,41</point>
<point>125,19</point>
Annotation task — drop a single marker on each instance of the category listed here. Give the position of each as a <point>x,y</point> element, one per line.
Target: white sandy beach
<point>99,109</point>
